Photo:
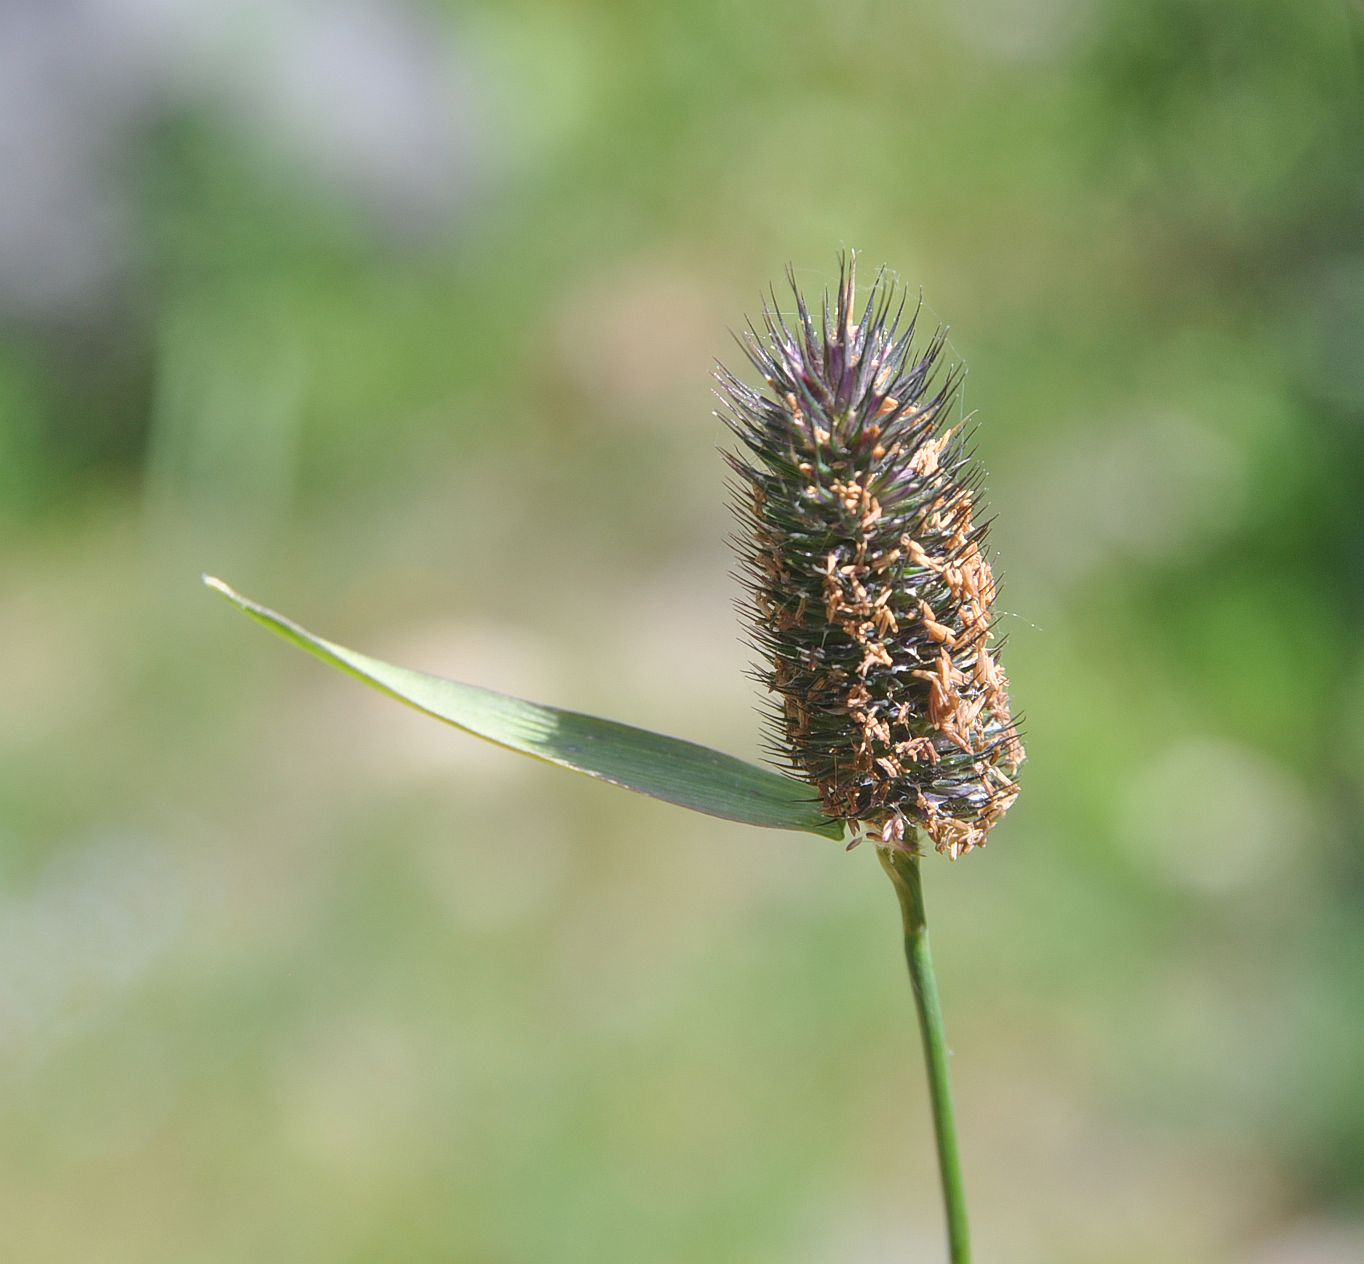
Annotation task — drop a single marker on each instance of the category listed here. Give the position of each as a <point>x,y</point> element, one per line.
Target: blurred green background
<point>399,316</point>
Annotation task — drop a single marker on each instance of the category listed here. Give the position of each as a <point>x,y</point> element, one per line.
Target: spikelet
<point>867,583</point>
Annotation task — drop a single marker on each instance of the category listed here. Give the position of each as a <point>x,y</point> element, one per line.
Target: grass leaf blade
<point>666,768</point>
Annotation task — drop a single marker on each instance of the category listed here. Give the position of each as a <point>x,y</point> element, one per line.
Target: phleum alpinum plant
<point>870,600</point>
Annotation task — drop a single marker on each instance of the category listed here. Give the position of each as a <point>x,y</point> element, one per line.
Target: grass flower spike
<point>871,600</point>
<point>868,586</point>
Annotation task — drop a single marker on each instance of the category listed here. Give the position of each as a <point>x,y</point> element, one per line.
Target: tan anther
<point>918,749</point>
<point>970,584</point>
<point>940,706</point>
<point>917,554</point>
<point>874,654</point>
<point>969,712</point>
<point>948,671</point>
<point>985,672</point>
<point>958,739</point>
<point>991,770</point>
<point>1004,799</point>
<point>940,632</point>
<point>925,460</point>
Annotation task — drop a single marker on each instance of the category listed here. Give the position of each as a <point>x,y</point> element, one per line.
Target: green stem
<point>904,873</point>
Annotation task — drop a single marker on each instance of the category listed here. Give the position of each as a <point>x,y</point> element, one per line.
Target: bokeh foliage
<point>287,974</point>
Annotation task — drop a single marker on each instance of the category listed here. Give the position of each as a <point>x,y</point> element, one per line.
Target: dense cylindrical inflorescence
<point>868,587</point>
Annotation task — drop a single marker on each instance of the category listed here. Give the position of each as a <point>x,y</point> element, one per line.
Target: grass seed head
<point>863,556</point>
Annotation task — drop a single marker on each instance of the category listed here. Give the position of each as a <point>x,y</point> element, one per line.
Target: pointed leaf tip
<point>667,768</point>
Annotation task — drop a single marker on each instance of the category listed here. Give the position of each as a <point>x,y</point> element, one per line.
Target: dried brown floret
<point>869,587</point>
